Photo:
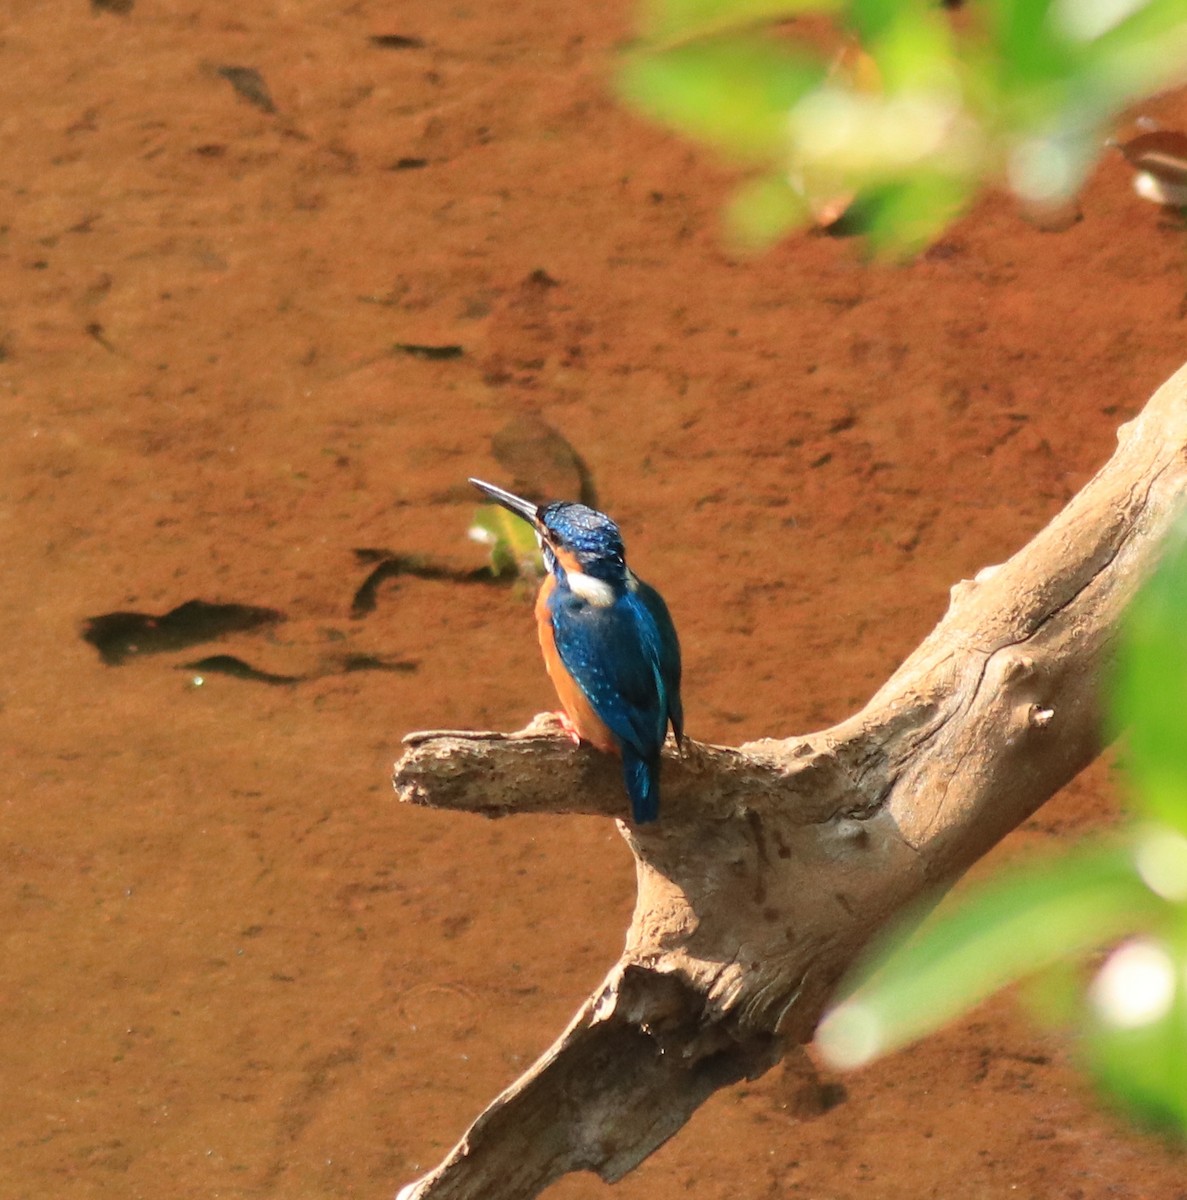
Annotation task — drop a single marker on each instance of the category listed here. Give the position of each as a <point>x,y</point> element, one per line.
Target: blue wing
<point>668,654</point>
<point>626,659</point>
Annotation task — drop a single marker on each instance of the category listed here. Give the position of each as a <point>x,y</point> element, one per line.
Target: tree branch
<point>773,864</point>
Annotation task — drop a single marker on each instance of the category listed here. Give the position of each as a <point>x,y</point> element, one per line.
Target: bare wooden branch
<point>773,864</point>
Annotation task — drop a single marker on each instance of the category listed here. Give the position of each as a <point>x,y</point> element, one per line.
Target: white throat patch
<point>594,591</point>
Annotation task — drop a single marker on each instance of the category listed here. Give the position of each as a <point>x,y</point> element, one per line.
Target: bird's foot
<point>567,725</point>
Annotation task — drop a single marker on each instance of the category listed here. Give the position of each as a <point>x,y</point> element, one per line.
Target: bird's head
<point>576,540</point>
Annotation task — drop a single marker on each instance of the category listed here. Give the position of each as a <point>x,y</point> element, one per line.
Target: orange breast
<point>588,724</point>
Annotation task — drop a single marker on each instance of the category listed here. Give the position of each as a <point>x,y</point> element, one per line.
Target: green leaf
<point>910,42</point>
<point>763,210</point>
<point>1030,73</point>
<point>1155,27</point>
<point>734,93</point>
<point>901,218</point>
<point>1150,685</point>
<point>1136,1040</point>
<point>1138,56</point>
<point>1027,43</point>
<point>512,541</point>
<point>1004,931</point>
<point>873,19</point>
<point>669,21</point>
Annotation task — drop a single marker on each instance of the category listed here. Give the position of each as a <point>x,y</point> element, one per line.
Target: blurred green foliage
<point>511,541</point>
<point>1151,687</point>
<point>898,107</point>
<point>1126,893</point>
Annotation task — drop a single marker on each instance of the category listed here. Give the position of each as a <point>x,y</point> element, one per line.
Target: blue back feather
<point>626,659</point>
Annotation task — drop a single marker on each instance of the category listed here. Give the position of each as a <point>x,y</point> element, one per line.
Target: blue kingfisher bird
<point>609,644</point>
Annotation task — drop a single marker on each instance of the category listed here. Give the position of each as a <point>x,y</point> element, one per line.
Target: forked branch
<point>773,864</point>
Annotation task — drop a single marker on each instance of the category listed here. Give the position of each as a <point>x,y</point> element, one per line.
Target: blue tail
<point>642,785</point>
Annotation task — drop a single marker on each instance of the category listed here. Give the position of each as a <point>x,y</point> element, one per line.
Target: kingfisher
<point>609,644</point>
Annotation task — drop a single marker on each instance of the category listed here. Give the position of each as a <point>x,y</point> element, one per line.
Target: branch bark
<point>773,864</point>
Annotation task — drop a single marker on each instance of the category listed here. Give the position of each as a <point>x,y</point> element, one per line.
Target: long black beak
<point>517,504</point>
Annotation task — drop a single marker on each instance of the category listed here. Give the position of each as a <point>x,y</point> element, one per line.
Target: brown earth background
<point>231,965</point>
